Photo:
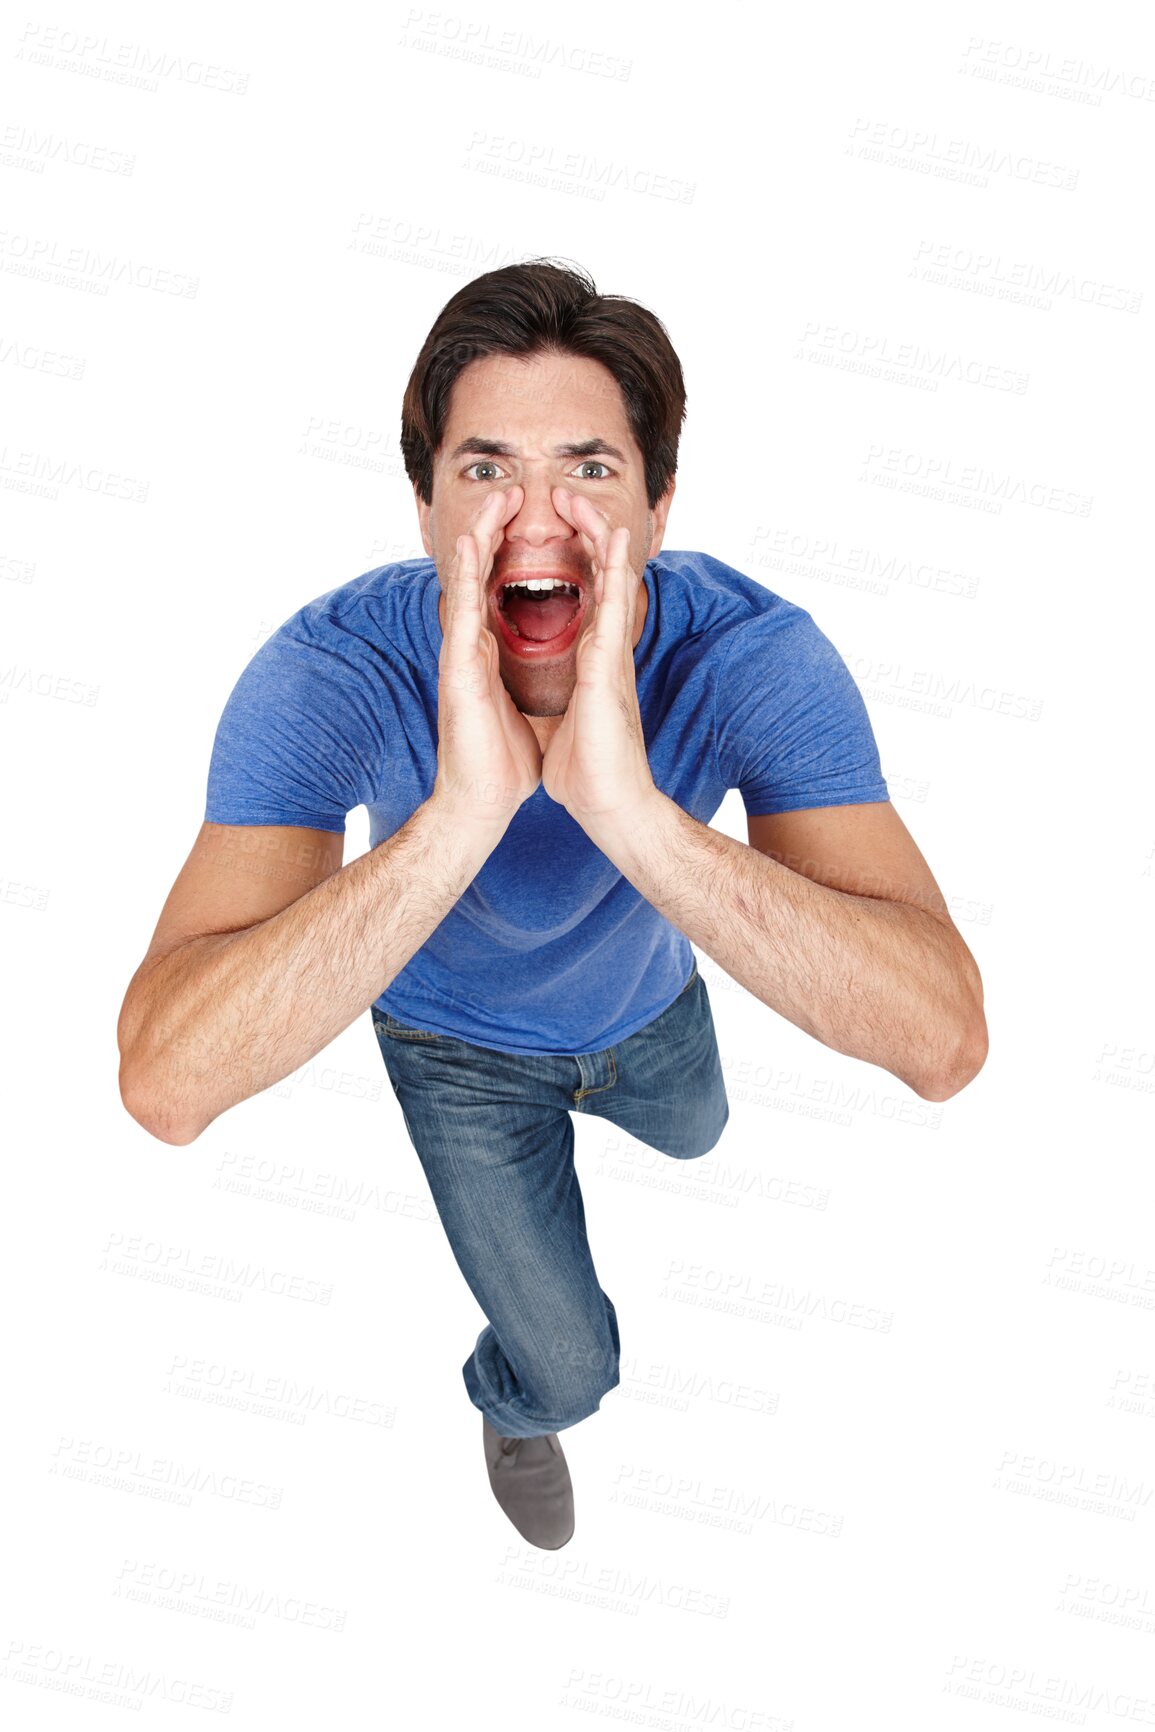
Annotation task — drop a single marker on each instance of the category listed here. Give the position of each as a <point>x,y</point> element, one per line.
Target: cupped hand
<point>596,764</point>
<point>488,757</point>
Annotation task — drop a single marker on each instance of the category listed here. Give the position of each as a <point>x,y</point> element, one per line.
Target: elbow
<point>141,1090</point>
<point>960,1058</point>
<point>177,1135</point>
<point>164,1127</point>
<point>965,1063</point>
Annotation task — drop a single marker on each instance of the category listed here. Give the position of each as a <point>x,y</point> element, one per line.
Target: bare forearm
<point>228,1015</point>
<point>881,981</point>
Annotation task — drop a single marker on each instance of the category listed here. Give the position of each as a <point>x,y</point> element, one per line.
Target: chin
<point>541,704</point>
<point>535,702</point>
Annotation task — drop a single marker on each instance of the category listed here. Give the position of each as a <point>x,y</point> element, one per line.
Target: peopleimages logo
<point>114,62</point>
<point>1039,64</point>
<point>44,256</point>
<point>956,158</point>
<point>498,153</point>
<point>990,272</point>
<point>476,40</point>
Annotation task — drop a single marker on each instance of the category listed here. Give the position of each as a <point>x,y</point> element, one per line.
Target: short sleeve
<point>790,726</point>
<point>300,738</point>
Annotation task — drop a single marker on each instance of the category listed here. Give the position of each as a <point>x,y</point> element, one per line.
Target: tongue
<point>540,616</point>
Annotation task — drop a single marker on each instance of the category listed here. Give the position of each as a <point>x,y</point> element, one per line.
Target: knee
<point>708,1141</point>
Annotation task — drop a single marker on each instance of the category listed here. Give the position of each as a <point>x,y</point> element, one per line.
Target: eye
<point>482,463</point>
<point>594,463</point>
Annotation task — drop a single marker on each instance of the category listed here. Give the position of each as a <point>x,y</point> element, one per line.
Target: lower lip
<point>525,648</point>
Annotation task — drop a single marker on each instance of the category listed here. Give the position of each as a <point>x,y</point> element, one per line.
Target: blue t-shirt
<point>550,949</point>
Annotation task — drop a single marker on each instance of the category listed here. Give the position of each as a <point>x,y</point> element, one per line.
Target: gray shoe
<point>531,1482</point>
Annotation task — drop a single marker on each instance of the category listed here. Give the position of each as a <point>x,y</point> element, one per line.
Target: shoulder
<point>703,596</point>
<point>376,601</point>
<point>382,615</point>
<point>750,644</point>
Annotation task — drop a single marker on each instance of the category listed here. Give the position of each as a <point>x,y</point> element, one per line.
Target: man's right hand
<point>488,758</point>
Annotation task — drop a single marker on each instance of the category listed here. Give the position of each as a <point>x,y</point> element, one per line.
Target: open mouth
<point>539,616</point>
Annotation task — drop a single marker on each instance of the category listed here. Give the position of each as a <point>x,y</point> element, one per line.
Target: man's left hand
<point>596,765</point>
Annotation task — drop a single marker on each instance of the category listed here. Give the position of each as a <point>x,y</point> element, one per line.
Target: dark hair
<point>535,307</point>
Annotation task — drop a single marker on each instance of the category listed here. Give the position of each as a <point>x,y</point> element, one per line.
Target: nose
<point>537,523</point>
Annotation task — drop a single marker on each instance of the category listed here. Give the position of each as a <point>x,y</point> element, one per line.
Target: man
<point>541,717</point>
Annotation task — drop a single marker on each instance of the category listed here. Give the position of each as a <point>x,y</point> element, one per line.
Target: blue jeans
<point>494,1135</point>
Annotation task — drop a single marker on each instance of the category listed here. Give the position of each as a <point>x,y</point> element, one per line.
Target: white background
<point>882,1450</point>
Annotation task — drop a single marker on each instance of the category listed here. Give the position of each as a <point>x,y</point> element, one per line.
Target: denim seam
<point>402,1033</point>
<point>601,1088</point>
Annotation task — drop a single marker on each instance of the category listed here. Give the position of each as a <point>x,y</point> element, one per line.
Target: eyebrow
<point>501,448</point>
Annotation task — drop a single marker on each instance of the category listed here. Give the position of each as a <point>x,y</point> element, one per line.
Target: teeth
<point>542,583</point>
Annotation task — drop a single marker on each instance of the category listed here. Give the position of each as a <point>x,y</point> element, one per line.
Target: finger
<point>591,548</point>
<point>464,626</point>
<point>461,585</point>
<point>593,525</point>
<point>481,532</point>
<point>600,558</point>
<point>577,510</point>
<point>469,573</point>
<point>489,523</point>
<point>616,590</point>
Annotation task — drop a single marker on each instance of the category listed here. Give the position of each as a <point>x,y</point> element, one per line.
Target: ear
<point>659,515</point>
<point>423,514</point>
